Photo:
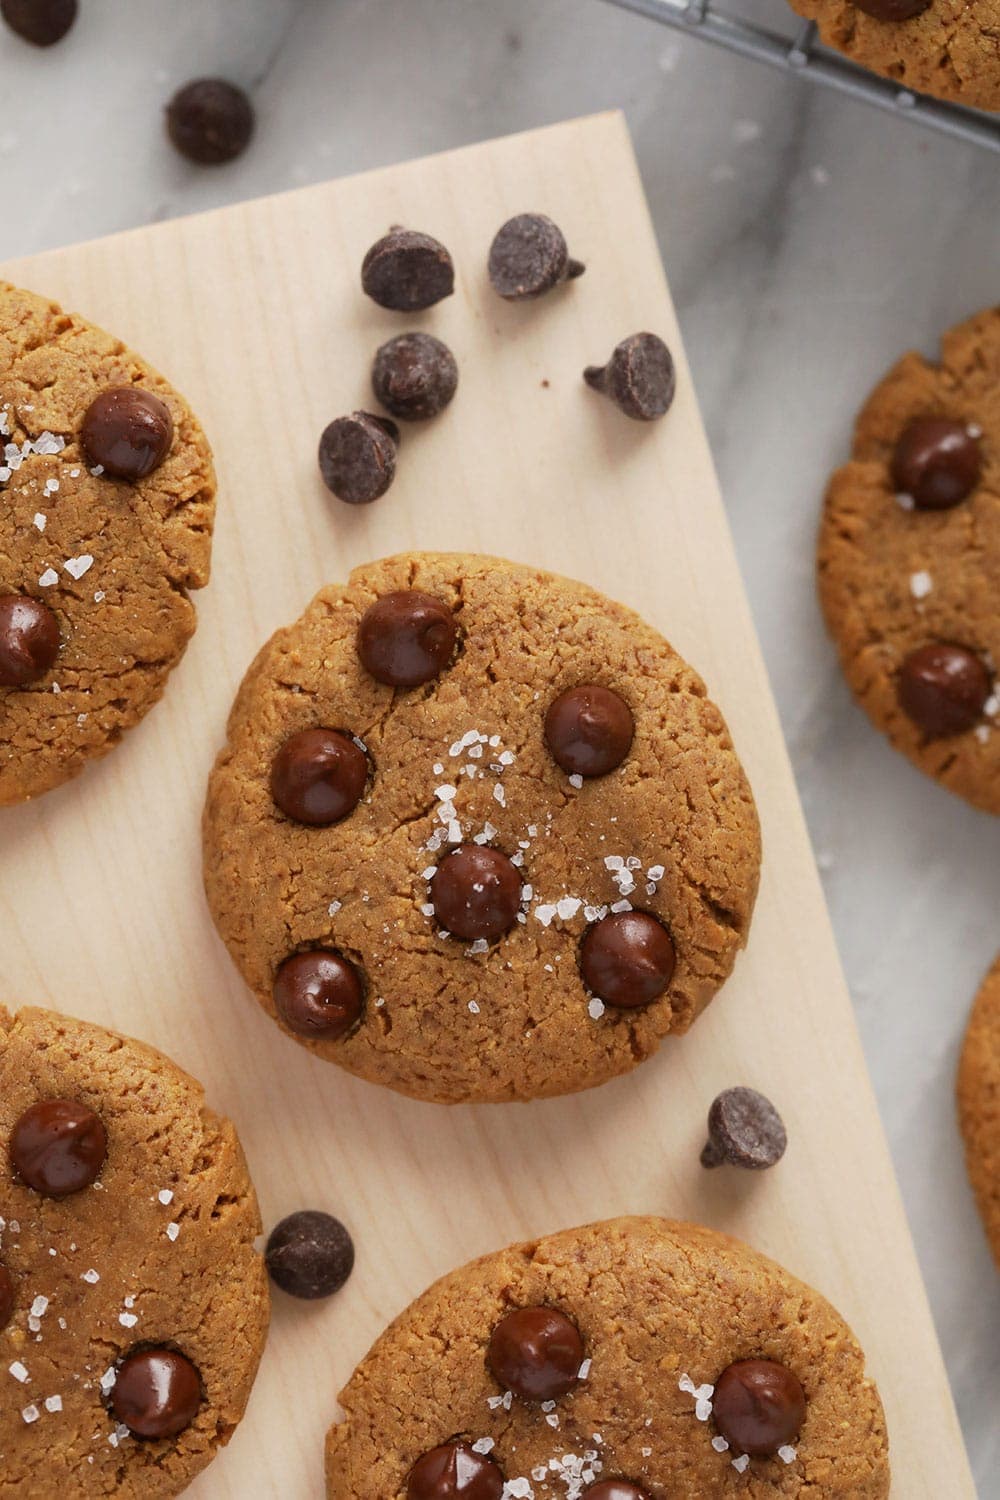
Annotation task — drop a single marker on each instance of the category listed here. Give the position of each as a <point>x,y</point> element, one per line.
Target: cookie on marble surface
<point>107,494</point>
<point>637,1359</point>
<point>909,560</point>
<point>478,833</point>
<point>947,48</point>
<point>979,1103</point>
<point>133,1305</point>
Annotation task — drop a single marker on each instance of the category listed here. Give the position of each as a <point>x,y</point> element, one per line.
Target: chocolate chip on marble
<point>758,1406</point>
<point>454,1471</point>
<point>528,257</point>
<point>745,1130</point>
<point>357,457</point>
<point>42,22</point>
<point>210,121</point>
<point>407,638</point>
<point>29,639</point>
<point>639,377</point>
<point>943,688</point>
<point>936,461</point>
<point>318,776</point>
<point>536,1352</point>
<point>627,959</point>
<point>414,376</point>
<point>406,271</point>
<point>589,730</point>
<point>476,892</point>
<point>156,1394</point>
<point>318,994</point>
<point>127,432</point>
<point>58,1147</point>
<point>309,1254</point>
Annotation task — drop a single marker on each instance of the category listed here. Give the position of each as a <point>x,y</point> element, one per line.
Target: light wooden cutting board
<point>255,313</point>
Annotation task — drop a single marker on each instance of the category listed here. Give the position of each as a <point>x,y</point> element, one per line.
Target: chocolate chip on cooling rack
<point>528,257</point>
<point>414,376</point>
<point>357,457</point>
<point>406,271</point>
<point>42,22</point>
<point>309,1254</point>
<point>210,121</point>
<point>745,1130</point>
<point>639,377</point>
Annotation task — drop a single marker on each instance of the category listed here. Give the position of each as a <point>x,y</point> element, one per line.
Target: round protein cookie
<point>107,494</point>
<point>478,833</point>
<point>947,48</point>
<point>133,1305</point>
<point>909,560</point>
<point>637,1359</point>
<point>979,1103</point>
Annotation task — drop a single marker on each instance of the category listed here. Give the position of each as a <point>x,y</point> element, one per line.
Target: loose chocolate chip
<point>893,10</point>
<point>758,1406</point>
<point>589,730</point>
<point>318,994</point>
<point>210,121</point>
<point>309,1254</point>
<point>58,1147</point>
<point>639,377</point>
<point>6,1297</point>
<point>156,1394</point>
<point>615,1489</point>
<point>627,959</point>
<point>528,257</point>
<point>476,892</point>
<point>937,462</point>
<point>414,376</point>
<point>29,639</point>
<point>406,271</point>
<point>744,1129</point>
<point>454,1472</point>
<point>536,1352</point>
<point>943,689</point>
<point>39,21</point>
<point>406,638</point>
<point>357,457</point>
<point>127,431</point>
<point>318,776</point>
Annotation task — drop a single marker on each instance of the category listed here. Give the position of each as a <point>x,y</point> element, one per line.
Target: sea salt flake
<point>173,1230</point>
<point>108,1379</point>
<point>617,906</point>
<point>595,1008</point>
<point>474,1007</point>
<point>656,872</point>
<point>703,1410</point>
<point>48,579</point>
<point>584,1369</point>
<point>568,906</point>
<point>18,1371</point>
<point>479,946</point>
<point>544,914</point>
<point>905,502</point>
<point>499,795</point>
<point>576,781</point>
<point>40,521</point>
<point>921,584</point>
<point>483,1445</point>
<point>719,1443</point>
<point>53,1403</point>
<point>39,1306</point>
<point>30,1414</point>
<point>614,862</point>
<point>506,757</point>
<point>77,566</point>
<point>787,1453</point>
<point>90,1276</point>
<point>127,1319</point>
<point>742,1463</point>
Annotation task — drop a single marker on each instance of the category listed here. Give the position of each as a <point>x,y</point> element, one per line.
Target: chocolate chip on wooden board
<point>357,457</point>
<point>745,1130</point>
<point>639,377</point>
<point>407,271</point>
<point>414,376</point>
<point>309,1254</point>
<point>528,257</point>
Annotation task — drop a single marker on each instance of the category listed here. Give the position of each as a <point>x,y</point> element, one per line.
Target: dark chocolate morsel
<point>476,892</point>
<point>58,1147</point>
<point>615,1489</point>
<point>528,257</point>
<point>6,1297</point>
<point>318,776</point>
<point>29,639</point>
<point>745,1130</point>
<point>627,959</point>
<point>639,377</point>
<point>937,462</point>
<point>406,638</point>
<point>357,457</point>
<point>42,22</point>
<point>589,730</point>
<point>943,688</point>
<point>156,1394</point>
<point>127,432</point>
<point>309,1254</point>
<point>318,994</point>
<point>758,1406</point>
<point>454,1471</point>
<point>536,1352</point>
<point>414,376</point>
<point>893,10</point>
<point>407,271</point>
<point>210,121</point>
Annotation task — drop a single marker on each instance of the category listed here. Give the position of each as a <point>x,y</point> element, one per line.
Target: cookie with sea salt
<point>478,832</point>
<point>133,1304</point>
<point>909,560</point>
<point>637,1359</point>
<point>107,498</point>
<point>979,1103</point>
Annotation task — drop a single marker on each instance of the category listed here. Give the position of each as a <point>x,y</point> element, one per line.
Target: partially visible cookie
<point>478,832</point>
<point>909,560</point>
<point>107,498</point>
<point>636,1359</point>
<point>133,1305</point>
<point>948,48</point>
<point>979,1103</point>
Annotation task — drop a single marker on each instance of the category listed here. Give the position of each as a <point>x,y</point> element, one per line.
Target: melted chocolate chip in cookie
<point>627,959</point>
<point>476,893</point>
<point>407,638</point>
<point>454,1471</point>
<point>936,461</point>
<point>309,1254</point>
<point>414,376</point>
<point>615,1489</point>
<point>318,994</point>
<point>536,1352</point>
<point>58,1147</point>
<point>407,271</point>
<point>528,257</point>
<point>943,688</point>
<point>758,1406</point>
<point>29,640</point>
<point>6,1297</point>
<point>157,1393</point>
<point>42,22</point>
<point>318,777</point>
<point>589,730</point>
<point>127,432</point>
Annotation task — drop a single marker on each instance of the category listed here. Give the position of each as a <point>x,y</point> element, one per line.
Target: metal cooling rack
<point>803,55</point>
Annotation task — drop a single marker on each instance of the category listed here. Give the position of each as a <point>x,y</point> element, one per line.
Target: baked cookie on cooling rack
<point>478,833</point>
<point>629,1360</point>
<point>948,48</point>
<point>107,498</point>
<point>979,1103</point>
<point>909,560</point>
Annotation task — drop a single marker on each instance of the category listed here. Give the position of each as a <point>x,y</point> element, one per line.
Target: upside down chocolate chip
<point>528,257</point>
<point>943,688</point>
<point>406,638</point>
<point>157,1393</point>
<point>210,121</point>
<point>758,1406</point>
<point>639,377</point>
<point>309,1254</point>
<point>318,994</point>
<point>318,776</point>
<point>127,432</point>
<point>745,1130</point>
<point>58,1147</point>
<point>627,959</point>
<point>29,639</point>
<point>42,22</point>
<point>476,892</point>
<point>589,730</point>
<point>454,1471</point>
<point>414,376</point>
<point>357,457</point>
<point>536,1352</point>
<point>406,271</point>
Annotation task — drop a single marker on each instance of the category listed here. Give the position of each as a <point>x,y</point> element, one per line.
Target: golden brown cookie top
<point>485,922</point>
<point>676,1324</point>
<point>103,562</point>
<point>979,1103</point>
<point>128,1261</point>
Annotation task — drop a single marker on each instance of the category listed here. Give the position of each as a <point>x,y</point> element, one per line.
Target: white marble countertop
<point>809,240</point>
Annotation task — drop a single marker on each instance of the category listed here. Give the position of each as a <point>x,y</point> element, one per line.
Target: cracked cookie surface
<point>672,831</point>
<point>158,1251</point>
<point>112,559</point>
<point>979,1103</point>
<point>662,1309</point>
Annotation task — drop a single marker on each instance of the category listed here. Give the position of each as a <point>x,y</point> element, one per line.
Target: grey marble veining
<point>809,240</point>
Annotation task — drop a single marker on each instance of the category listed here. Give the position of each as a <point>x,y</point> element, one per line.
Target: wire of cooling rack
<point>803,55</point>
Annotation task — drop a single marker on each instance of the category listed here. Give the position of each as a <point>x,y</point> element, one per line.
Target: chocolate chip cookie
<point>107,497</point>
<point>949,48</point>
<point>637,1359</point>
<point>133,1306</point>
<point>478,832</point>
<point>909,560</point>
<point>979,1103</point>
